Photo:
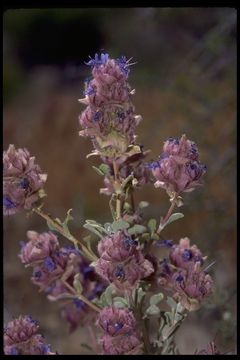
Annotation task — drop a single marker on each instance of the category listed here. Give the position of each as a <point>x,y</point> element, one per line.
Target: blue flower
<point>118,326</point>
<point>14,351</point>
<point>123,65</point>
<point>174,140</point>
<point>45,349</point>
<point>31,320</point>
<point>49,264</point>
<point>128,242</point>
<point>8,203</point>
<point>121,115</point>
<point>97,115</point>
<point>179,278</point>
<point>99,288</point>
<point>24,184</point>
<point>98,60</point>
<point>187,255</point>
<point>22,244</point>
<point>89,91</point>
<point>153,165</point>
<point>167,243</point>
<point>79,303</point>
<point>37,274</point>
<point>119,273</point>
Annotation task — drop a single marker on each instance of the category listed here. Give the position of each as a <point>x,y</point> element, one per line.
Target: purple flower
<point>178,168</point>
<point>23,181</point>
<point>98,60</point>
<point>120,335</point>
<point>21,338</point>
<point>39,247</point>
<point>121,262</point>
<point>109,119</point>
<point>184,255</point>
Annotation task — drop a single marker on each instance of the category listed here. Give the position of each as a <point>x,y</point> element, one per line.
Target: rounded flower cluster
<point>21,338</point>
<point>109,119</point>
<point>183,274</point>
<point>178,168</point>
<point>23,180</point>
<point>121,262</point>
<point>51,264</point>
<point>120,336</point>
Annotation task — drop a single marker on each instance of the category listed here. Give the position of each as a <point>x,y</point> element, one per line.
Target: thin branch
<point>81,297</point>
<point>70,237</point>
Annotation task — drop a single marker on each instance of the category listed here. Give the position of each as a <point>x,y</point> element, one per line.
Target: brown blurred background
<point>185,83</point>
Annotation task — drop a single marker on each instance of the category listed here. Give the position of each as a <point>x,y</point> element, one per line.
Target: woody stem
<point>81,297</point>
<point>67,235</point>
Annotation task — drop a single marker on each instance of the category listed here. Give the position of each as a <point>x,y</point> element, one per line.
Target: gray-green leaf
<point>143,204</point>
<point>77,284</point>
<point>120,302</point>
<point>152,224</point>
<point>172,218</point>
<point>137,229</point>
<point>120,225</point>
<point>171,302</point>
<point>156,298</point>
<point>153,310</point>
<point>92,229</point>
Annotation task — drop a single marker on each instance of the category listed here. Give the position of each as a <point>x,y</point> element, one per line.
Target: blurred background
<point>185,80</point>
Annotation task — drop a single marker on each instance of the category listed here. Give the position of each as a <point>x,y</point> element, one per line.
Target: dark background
<point>185,83</point>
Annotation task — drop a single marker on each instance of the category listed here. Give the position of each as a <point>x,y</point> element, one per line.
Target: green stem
<point>67,235</point>
<point>118,200</point>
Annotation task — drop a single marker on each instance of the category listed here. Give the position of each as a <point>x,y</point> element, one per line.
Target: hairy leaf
<point>137,229</point>
<point>120,225</point>
<point>156,298</point>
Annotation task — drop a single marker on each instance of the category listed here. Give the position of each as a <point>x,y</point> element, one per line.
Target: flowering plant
<point>135,288</point>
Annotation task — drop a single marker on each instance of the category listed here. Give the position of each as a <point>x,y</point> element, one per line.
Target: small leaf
<point>93,230</point>
<point>126,206</point>
<point>51,226</point>
<point>110,290</point>
<point>98,171</point>
<point>137,229</point>
<point>143,204</point>
<point>108,228</point>
<point>152,225</point>
<point>140,295</point>
<point>104,168</point>
<point>155,299</point>
<point>153,310</point>
<point>120,225</point>
<point>171,302</point>
<point>96,225</point>
<point>120,302</point>
<point>175,217</point>
<point>155,236</point>
<point>66,221</point>
<point>172,218</point>
<point>77,284</point>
